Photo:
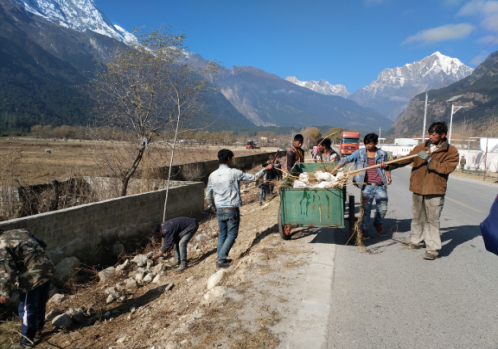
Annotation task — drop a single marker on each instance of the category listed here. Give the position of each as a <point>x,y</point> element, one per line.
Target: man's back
<point>176,225</point>
<point>23,258</point>
<point>224,185</point>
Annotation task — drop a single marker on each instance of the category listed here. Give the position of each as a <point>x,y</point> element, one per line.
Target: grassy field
<point>29,163</point>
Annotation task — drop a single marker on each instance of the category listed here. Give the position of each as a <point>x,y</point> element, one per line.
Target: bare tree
<point>145,88</point>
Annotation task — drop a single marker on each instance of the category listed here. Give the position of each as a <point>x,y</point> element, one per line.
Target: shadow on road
<point>457,236</point>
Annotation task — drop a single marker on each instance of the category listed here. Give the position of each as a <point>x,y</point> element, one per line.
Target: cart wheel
<point>284,230</point>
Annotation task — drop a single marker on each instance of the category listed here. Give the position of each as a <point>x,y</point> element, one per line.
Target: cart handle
<point>387,163</point>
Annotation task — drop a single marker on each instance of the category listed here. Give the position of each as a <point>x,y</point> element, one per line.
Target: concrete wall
<point>80,231</point>
<point>200,171</point>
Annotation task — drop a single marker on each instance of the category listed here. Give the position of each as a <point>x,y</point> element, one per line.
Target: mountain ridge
<point>478,92</point>
<point>321,86</point>
<point>79,15</point>
<point>390,93</point>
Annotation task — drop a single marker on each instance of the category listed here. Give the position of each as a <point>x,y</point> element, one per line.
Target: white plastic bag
<point>325,176</point>
<point>327,184</point>
<point>303,177</point>
<point>299,184</point>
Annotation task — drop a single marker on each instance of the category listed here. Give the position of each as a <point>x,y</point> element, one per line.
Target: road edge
<point>310,328</point>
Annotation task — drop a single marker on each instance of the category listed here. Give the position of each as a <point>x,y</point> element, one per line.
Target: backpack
<point>489,229</point>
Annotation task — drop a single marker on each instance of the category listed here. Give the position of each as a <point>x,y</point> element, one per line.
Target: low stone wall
<point>200,171</point>
<point>80,231</point>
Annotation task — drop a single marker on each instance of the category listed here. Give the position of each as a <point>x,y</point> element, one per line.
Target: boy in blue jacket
<point>372,183</point>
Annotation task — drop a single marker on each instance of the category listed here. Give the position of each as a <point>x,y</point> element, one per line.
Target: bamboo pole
<point>387,163</point>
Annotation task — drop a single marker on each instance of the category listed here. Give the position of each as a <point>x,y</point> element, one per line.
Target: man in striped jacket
<point>373,183</point>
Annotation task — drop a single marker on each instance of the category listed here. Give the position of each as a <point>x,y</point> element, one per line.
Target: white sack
<point>299,184</point>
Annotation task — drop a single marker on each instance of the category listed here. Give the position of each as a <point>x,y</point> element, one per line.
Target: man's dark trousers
<point>32,310</point>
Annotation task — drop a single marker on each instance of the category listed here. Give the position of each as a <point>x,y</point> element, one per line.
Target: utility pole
<point>451,124</point>
<point>486,160</point>
<point>425,119</point>
<point>380,132</point>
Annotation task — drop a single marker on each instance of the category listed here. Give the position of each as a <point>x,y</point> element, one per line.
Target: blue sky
<point>344,42</point>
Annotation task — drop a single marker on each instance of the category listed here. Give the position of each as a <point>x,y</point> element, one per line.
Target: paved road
<point>395,299</point>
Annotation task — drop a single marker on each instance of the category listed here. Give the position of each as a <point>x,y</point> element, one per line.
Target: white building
<point>405,141</point>
<point>492,143</point>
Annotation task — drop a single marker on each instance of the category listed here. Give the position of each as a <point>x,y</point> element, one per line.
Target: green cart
<point>312,207</point>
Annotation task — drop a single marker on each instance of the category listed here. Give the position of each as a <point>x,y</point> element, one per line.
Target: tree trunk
<point>127,176</point>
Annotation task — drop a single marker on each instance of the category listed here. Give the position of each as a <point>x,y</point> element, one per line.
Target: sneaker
<point>222,265</point>
<point>378,226</point>
<point>412,246</point>
<point>182,267</point>
<point>21,345</point>
<point>430,255</point>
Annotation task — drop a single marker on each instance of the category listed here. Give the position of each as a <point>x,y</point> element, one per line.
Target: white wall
<point>405,141</point>
<point>397,150</point>
<point>475,158</point>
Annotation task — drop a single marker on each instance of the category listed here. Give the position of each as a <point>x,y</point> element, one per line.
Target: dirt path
<point>261,300</point>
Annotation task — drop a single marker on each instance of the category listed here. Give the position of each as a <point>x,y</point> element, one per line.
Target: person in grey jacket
<point>223,198</point>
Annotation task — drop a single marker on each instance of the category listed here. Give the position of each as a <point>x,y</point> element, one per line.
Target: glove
<point>424,155</point>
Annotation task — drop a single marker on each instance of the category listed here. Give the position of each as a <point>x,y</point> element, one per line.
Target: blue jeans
<point>31,309</point>
<point>181,246</point>
<point>369,193</point>
<point>228,222</point>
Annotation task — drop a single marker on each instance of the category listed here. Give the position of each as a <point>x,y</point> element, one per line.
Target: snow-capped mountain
<point>80,15</point>
<point>323,86</point>
<point>394,88</point>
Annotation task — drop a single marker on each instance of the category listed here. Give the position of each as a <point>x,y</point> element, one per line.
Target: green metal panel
<point>311,207</point>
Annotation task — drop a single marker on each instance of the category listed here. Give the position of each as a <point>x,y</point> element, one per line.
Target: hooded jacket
<point>432,178</point>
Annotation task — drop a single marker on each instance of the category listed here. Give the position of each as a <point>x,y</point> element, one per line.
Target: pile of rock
<point>65,319</point>
<point>140,271</point>
<point>131,274</point>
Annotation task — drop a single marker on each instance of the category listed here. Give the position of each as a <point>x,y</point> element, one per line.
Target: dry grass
<point>78,157</point>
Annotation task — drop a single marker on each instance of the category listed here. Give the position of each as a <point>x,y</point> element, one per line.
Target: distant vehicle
<point>250,145</point>
<point>350,141</point>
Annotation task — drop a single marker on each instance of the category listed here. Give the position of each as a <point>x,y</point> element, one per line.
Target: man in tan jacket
<point>428,182</point>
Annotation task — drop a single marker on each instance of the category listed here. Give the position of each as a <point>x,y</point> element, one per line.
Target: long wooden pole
<point>387,163</point>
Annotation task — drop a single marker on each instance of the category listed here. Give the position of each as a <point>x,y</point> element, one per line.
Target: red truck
<point>350,141</point>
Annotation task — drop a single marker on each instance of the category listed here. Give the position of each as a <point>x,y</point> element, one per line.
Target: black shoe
<point>222,265</point>
<point>260,203</point>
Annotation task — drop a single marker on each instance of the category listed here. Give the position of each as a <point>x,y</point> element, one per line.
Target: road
<point>392,298</point>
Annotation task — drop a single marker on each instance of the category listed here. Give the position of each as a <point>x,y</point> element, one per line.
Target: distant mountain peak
<point>322,86</point>
<point>394,87</point>
<point>79,15</point>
